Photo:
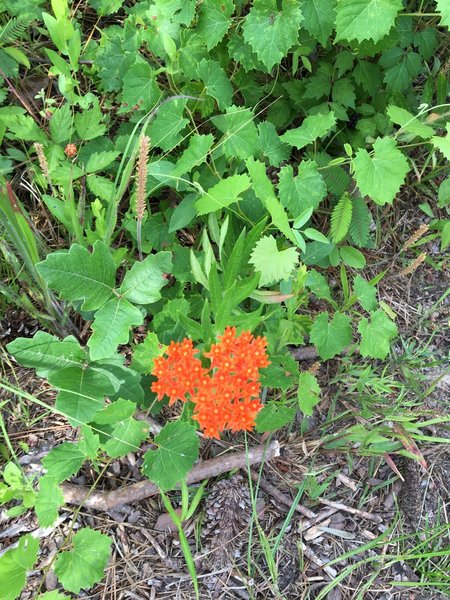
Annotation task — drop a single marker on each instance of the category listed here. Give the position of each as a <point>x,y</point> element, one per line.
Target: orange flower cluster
<point>226,396</point>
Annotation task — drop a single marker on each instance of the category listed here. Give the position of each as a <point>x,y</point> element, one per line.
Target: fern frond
<point>341,217</point>
<point>360,225</point>
<point>14,29</point>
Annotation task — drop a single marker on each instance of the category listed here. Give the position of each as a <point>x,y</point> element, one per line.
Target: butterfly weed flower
<point>226,396</point>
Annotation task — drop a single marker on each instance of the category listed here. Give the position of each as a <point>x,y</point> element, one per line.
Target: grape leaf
<point>408,123</point>
<point>382,175</point>
<point>272,31</point>
<point>47,353</point>
<point>123,433</point>
<point>273,416</point>
<point>196,154</point>
<point>240,133</point>
<point>308,393</point>
<point>48,501</point>
<point>63,461</point>
<point>312,128</point>
<point>14,565</point>
<point>88,123</point>
<point>111,327</point>
<point>376,335</point>
<point>139,88</point>
<point>272,147</point>
<point>443,143</point>
<point>319,18</point>
<point>366,293</point>
<point>165,129</point>
<point>222,194</point>
<point>216,82</point>
<point>81,392</point>
<point>176,453</point>
<point>443,7</point>
<point>331,337</point>
<point>306,190</point>
<point>143,282</point>
<point>116,54</point>
<point>273,264</point>
<point>214,21</point>
<point>80,275</point>
<point>85,564</point>
<point>365,19</point>
<point>318,284</point>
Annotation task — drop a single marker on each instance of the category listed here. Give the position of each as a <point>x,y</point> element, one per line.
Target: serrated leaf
<point>306,190</point>
<point>80,275</point>
<point>380,176</point>
<point>240,133</point>
<point>214,21</point>
<point>216,82</point>
<point>368,75</point>
<point>47,353</point>
<point>308,393</point>
<point>145,352</point>
<point>443,143</point>
<point>273,416</point>
<point>313,127</point>
<point>88,123</point>
<point>318,284</point>
<point>271,31</point>
<point>365,19</point>
<point>61,124</point>
<point>124,434</point>
<point>341,217</point>
<point>176,453</point>
<point>319,18</point>
<point>272,147</point>
<point>142,284</point>
<point>14,565</point>
<point>343,93</point>
<point>48,501</point>
<point>164,131</point>
<point>408,123</point>
<point>85,564</point>
<point>101,187</point>
<point>366,293</point>
<point>222,194</point>
<point>111,327</point>
<point>443,7</point>
<point>376,335</point>
<point>98,161</point>
<point>196,154</point>
<point>273,264</point>
<point>82,393</point>
<point>139,88</point>
<point>361,220</point>
<point>63,461</point>
<point>331,337</point>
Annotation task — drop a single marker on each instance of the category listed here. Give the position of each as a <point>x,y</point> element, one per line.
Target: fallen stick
<point>81,495</point>
<point>351,510</point>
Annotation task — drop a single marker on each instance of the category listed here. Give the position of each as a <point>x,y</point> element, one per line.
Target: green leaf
<point>124,434</point>
<point>222,194</point>
<point>116,54</point>
<point>376,335</point>
<point>445,236</point>
<point>240,134</point>
<point>14,565</point>
<point>101,187</point>
<point>366,293</point>
<point>184,213</point>
<point>271,31</point>
<point>443,7</point>
<point>216,82</point>
<point>47,353</point>
<point>176,453</point>
<point>341,218</point>
<point>443,143</point>
<point>331,338</point>
<point>63,461</point>
<point>361,220</point>
<point>25,128</point>
<point>408,123</point>
<point>82,392</point>
<point>111,327</point>
<point>88,125</point>
<point>319,18</point>
<point>80,275</point>
<point>352,257</point>
<point>312,128</point>
<point>142,284</point>
<point>61,128</point>
<point>263,189</point>
<point>85,564</point>
<point>318,284</point>
<point>48,501</point>
<point>54,595</point>
<point>273,264</point>
<point>98,161</point>
<point>139,88</point>
<point>365,19</point>
<point>164,131</point>
<point>306,190</point>
<point>272,147</point>
<point>196,154</point>
<point>380,176</point>
<point>214,21</point>
<point>274,416</point>
<point>343,93</point>
<point>308,393</point>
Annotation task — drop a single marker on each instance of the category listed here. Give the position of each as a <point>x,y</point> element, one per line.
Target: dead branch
<point>104,500</point>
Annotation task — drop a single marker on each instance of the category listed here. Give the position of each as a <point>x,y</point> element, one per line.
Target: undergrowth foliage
<point>207,163</point>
